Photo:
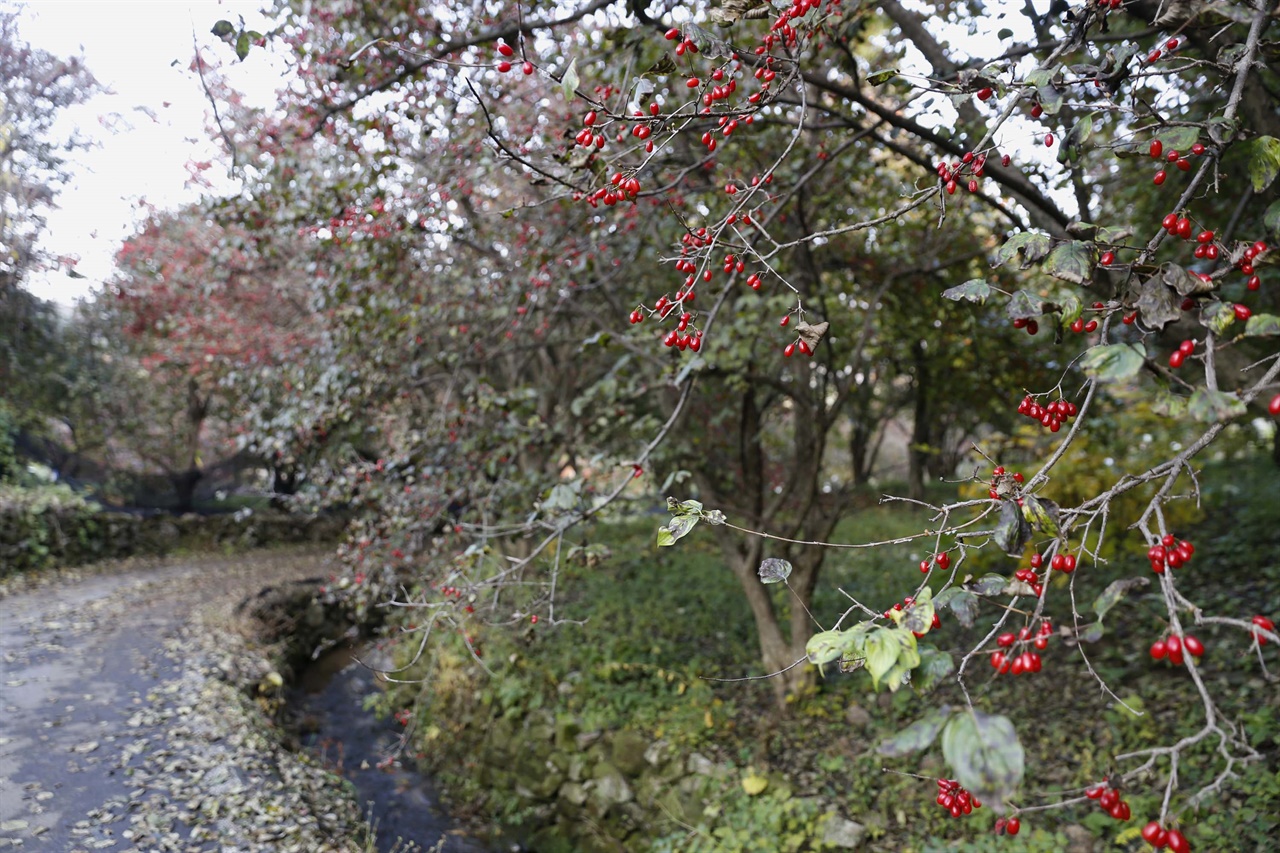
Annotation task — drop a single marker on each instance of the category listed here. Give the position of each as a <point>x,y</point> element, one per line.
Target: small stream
<point>329,700</point>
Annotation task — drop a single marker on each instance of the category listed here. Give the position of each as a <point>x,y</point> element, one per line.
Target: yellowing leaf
<point>754,784</point>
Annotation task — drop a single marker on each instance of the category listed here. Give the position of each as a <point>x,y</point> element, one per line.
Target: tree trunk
<point>184,486</point>
<point>917,453</point>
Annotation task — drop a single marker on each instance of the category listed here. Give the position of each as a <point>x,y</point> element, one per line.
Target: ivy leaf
<point>569,80</point>
<point>1023,306</point>
<point>1213,406</point>
<point>1071,262</point>
<point>1012,530</point>
<point>984,752</point>
<point>1262,324</point>
<point>1032,246</point>
<point>1041,514</point>
<point>1158,305</point>
<point>916,737</point>
<point>774,570</point>
<point>877,78</point>
<point>1117,590</point>
<point>974,290</point>
<point>1264,161</point>
<point>1114,362</point>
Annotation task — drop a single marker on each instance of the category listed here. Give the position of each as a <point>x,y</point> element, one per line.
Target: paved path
<point>121,728</point>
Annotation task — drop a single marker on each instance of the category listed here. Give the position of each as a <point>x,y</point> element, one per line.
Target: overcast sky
<point>148,125</point>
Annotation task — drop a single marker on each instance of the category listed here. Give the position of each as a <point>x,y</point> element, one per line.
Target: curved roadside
<point>125,725</point>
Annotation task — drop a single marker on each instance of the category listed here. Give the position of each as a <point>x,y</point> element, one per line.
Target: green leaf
<point>1169,405</point>
<point>1041,514</point>
<point>881,650</point>
<point>242,46</point>
<point>1117,590</point>
<point>1012,530</point>
<point>916,737</point>
<point>676,507</point>
<point>1213,406</point>
<point>222,29</point>
<point>1186,283</point>
<point>1071,262</point>
<point>774,570</point>
<point>1217,316</point>
<point>676,528</point>
<point>1264,161</point>
<point>1004,33</point>
<point>1093,633</point>
<point>973,290</point>
<point>1023,306</point>
<point>908,659</point>
<point>1262,324</point>
<point>877,78</point>
<point>1177,138</point>
<point>569,80</point>
<point>919,616</point>
<point>1157,303</point>
<point>1271,218</point>
<point>984,752</point>
<point>825,647</point>
<point>1114,362</point>
<point>1072,308</point>
<point>1032,246</point>
<point>934,666</point>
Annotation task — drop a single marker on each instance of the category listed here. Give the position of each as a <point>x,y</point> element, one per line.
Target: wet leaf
<point>984,752</point>
<point>974,290</point>
<point>916,737</point>
<point>675,529</point>
<point>1023,306</point>
<point>1114,362</point>
<point>824,647</point>
<point>1031,246</point>
<point>1041,514</point>
<point>989,584</point>
<point>774,570</point>
<point>1115,591</point>
<point>1217,316</point>
<point>569,81</point>
<point>1264,161</point>
<point>1177,138</point>
<point>1186,283</point>
<point>964,605</point>
<point>877,78</point>
<point>881,651</point>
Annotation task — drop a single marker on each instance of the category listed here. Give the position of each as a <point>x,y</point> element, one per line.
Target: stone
<point>585,740</point>
<point>843,833</point>
<point>577,768</point>
<point>857,716</point>
<point>574,793</point>
<point>610,786</point>
<point>1079,839</point>
<point>700,764</point>
<point>567,729</point>
<point>659,753</point>
<point>627,752</point>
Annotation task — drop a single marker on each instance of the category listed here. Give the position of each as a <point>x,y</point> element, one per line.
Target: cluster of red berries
<point>1060,562</point>
<point>1052,416</point>
<point>1031,325</point>
<point>956,799</point>
<point>907,602</point>
<point>999,474</point>
<point>1166,49</point>
<point>942,561</point>
<point>1171,553</point>
<point>1029,577</point>
<point>1245,264</point>
<point>1004,662</point>
<point>1109,799</point>
<point>1010,826</point>
<point>1172,648</point>
<point>798,344</point>
<point>1265,624</point>
<point>1081,326</point>
<point>971,164</point>
<point>506,51</point>
<point>1159,837</point>
<point>403,716</point>
<point>1179,160</point>
<point>1185,349</point>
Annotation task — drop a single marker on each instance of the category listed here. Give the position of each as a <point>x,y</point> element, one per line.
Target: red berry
<point>504,66</point>
<point>1178,842</point>
<point>1157,148</point>
<point>1265,624</point>
<point>1048,140</point>
<point>1012,826</point>
<point>788,350</point>
<point>528,68</point>
<point>1254,282</point>
<point>1151,832</point>
<point>693,82</point>
<point>533,619</point>
<point>506,49</point>
<point>1274,406</point>
<point>1204,237</point>
<point>1170,222</point>
<point>985,93</point>
<point>1173,645</point>
<point>1107,259</point>
<point>1159,178</point>
<point>1005,160</point>
<point>1158,650</point>
<point>1197,149</point>
<point>1243,313</point>
<point>1176,359</point>
<point>1194,647</point>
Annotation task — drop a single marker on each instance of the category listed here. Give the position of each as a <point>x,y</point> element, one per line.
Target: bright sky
<point>148,126</point>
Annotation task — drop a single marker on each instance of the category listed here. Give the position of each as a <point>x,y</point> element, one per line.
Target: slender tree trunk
<point>917,453</point>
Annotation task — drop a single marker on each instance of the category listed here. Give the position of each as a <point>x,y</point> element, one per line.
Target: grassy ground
<point>661,623</point>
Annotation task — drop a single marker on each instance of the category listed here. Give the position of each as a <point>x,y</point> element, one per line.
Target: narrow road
<point>121,728</point>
